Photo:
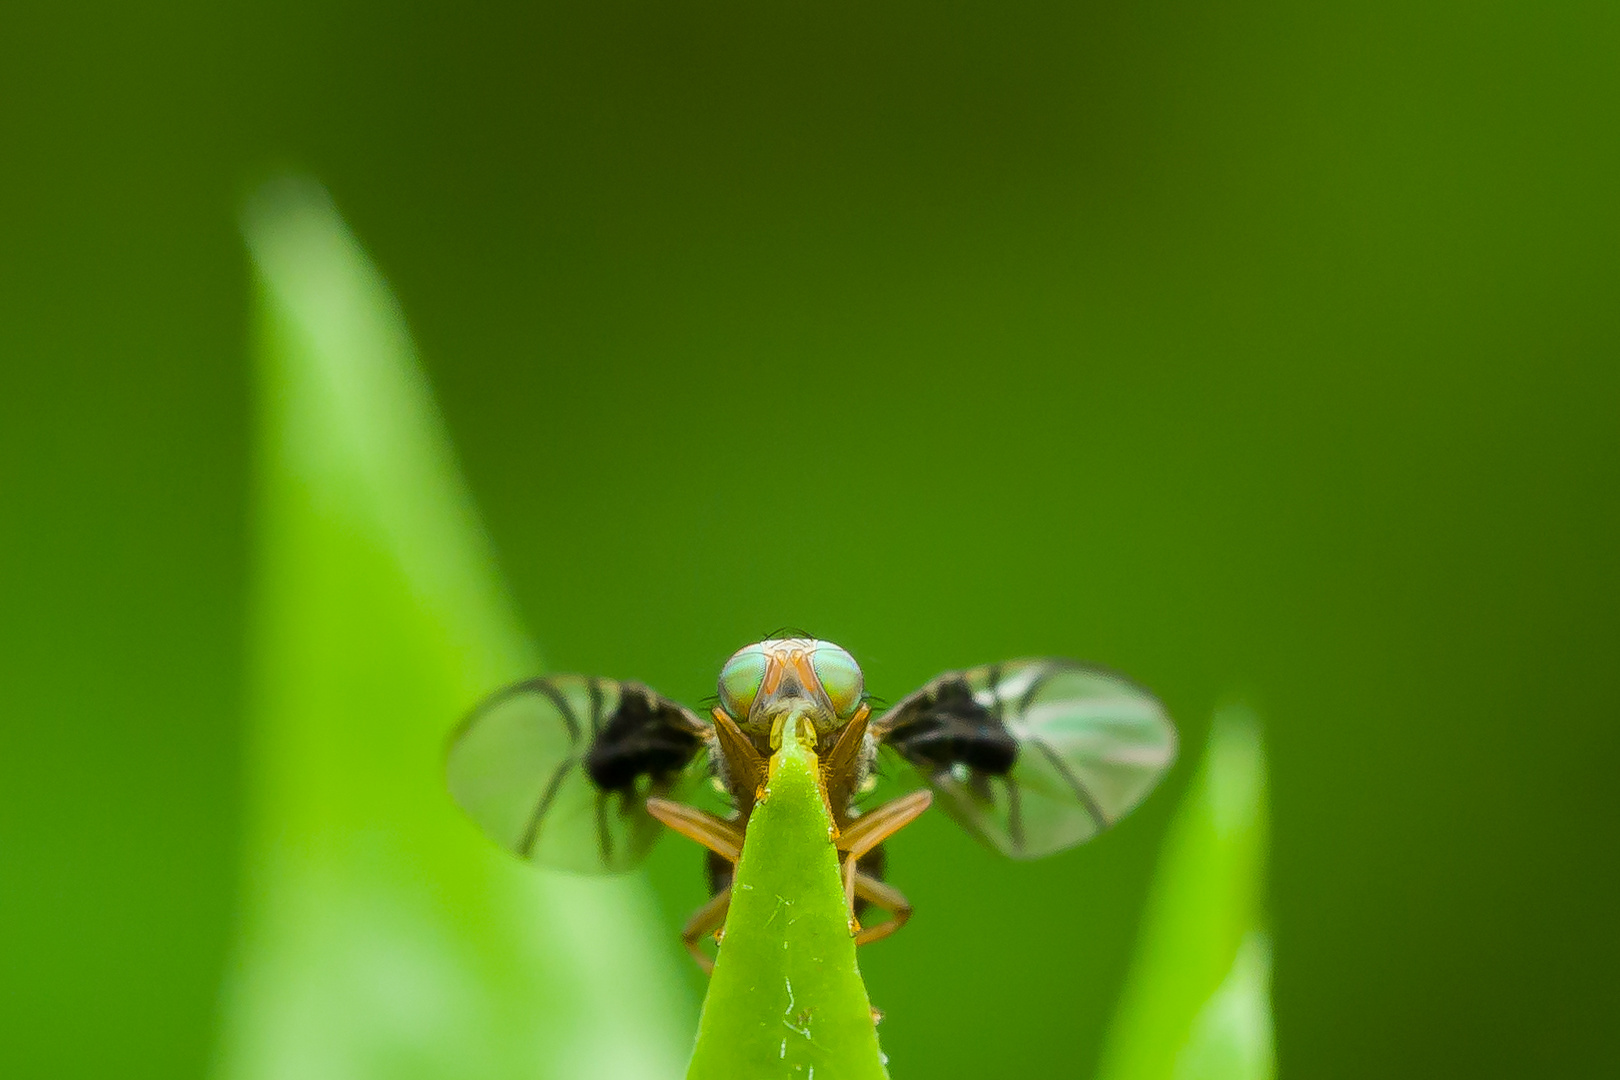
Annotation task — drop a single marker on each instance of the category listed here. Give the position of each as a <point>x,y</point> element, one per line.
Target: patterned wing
<point>1033,756</point>
<point>559,769</point>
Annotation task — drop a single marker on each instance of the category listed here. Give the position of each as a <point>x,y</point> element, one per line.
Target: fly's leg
<point>881,894</point>
<point>705,921</point>
<point>724,838</point>
<point>840,765</point>
<point>869,830</point>
<point>744,767</point>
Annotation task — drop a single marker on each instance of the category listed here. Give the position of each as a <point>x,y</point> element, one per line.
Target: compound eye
<point>840,677</point>
<point>740,681</point>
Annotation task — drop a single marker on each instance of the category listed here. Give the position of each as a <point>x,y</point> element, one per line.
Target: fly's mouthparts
<point>797,723</point>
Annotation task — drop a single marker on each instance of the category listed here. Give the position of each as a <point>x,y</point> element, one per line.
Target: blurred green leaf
<point>382,936</point>
<point>786,999</point>
<point>1197,1002</point>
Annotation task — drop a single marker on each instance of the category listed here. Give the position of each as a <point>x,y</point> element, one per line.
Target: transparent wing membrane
<point>558,769</point>
<point>1033,756</point>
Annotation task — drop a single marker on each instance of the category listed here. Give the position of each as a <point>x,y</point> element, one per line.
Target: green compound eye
<point>740,681</point>
<point>840,677</point>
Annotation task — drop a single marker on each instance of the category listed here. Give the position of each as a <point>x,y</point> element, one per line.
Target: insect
<point>1029,756</point>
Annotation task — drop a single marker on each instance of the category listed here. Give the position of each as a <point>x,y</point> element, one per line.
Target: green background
<point>1266,350</point>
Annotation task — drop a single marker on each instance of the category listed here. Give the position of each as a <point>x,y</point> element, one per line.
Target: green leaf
<point>382,936</point>
<point>786,999</point>
<point>1197,1002</point>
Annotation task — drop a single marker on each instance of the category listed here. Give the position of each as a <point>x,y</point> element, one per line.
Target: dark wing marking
<point>549,690</point>
<point>945,724</point>
<point>559,769</point>
<point>547,797</point>
<point>1033,756</point>
<point>645,735</point>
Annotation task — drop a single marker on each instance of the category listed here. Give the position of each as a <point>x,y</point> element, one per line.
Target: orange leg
<point>881,894</point>
<point>841,758</point>
<point>724,838</point>
<point>707,920</point>
<point>742,760</point>
<point>838,764</point>
<point>869,830</point>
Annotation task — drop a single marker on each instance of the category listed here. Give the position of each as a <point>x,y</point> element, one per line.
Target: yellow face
<point>765,680</point>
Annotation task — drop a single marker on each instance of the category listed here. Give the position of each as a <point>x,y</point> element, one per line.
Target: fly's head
<point>817,681</point>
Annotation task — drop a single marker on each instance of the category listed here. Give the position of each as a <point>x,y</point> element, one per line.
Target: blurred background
<point>1262,351</point>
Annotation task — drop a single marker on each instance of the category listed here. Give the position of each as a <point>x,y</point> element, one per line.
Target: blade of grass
<point>382,936</point>
<point>1196,1004</point>
<point>786,998</point>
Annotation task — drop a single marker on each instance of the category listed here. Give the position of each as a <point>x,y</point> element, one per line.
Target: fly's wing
<point>559,769</point>
<point>1033,756</point>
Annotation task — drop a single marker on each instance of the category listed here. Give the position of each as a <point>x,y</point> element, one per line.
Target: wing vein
<point>561,702</point>
<point>1092,806</point>
<point>531,832</point>
<point>1035,685</point>
<point>595,686</point>
<point>604,839</point>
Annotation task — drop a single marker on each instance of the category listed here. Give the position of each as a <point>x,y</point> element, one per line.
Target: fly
<point>1029,756</point>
